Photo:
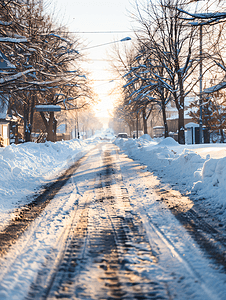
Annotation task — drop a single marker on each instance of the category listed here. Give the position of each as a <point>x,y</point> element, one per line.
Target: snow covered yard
<point>196,170</point>
<point>26,167</point>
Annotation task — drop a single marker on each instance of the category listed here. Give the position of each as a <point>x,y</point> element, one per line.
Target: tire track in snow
<point>173,246</point>
<point>209,238</point>
<point>117,248</point>
<point>107,254</point>
<point>24,216</point>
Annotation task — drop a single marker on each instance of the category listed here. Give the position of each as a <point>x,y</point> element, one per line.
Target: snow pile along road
<point>198,170</point>
<point>26,167</point>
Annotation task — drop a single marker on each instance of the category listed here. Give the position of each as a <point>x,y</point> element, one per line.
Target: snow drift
<point>187,167</point>
<point>26,167</point>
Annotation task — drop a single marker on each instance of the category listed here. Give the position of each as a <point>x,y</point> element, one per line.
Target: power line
<point>94,32</point>
<point>97,59</point>
<point>107,80</point>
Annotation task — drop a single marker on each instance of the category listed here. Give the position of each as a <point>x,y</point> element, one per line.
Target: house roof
<point>3,108</point>
<point>5,64</point>
<point>173,112</point>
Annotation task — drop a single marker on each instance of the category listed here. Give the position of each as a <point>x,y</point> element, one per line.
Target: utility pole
<point>200,88</point>
<point>137,125</point>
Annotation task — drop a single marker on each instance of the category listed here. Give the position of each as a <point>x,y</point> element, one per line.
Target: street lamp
<point>200,85</point>
<point>122,40</point>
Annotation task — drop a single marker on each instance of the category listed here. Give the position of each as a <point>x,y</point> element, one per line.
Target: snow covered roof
<point>3,108</point>
<point>15,76</point>
<point>172,112</point>
<point>5,63</point>
<point>47,108</point>
<point>158,127</point>
<point>191,124</point>
<point>204,18</point>
<point>13,40</point>
<point>215,88</point>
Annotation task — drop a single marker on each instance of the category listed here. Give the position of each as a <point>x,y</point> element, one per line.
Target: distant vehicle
<point>105,137</point>
<point>158,131</point>
<point>123,135</point>
<point>140,133</point>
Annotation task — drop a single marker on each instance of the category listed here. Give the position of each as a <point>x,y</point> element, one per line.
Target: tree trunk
<point>28,116</point>
<point>181,137</point>
<point>222,135</point>
<point>50,130</point>
<point>164,120</point>
<point>130,128</point>
<point>54,129</point>
<point>31,116</point>
<point>145,123</point>
<point>26,129</point>
<point>137,125</point>
<point>50,126</point>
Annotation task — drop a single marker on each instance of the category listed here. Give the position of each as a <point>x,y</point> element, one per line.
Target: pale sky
<point>97,17</point>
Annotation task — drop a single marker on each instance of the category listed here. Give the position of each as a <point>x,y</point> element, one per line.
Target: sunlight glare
<point>103,111</point>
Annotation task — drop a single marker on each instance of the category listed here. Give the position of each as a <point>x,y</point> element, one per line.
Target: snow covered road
<point>106,235</point>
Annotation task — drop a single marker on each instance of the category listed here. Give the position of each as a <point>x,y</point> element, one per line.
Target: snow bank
<point>146,137</point>
<point>27,166</point>
<point>199,170</point>
<point>185,167</point>
<point>168,142</point>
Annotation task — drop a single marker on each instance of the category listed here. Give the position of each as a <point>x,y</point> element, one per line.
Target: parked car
<point>123,135</point>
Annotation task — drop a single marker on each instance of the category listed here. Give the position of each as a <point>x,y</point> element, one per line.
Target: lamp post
<point>122,40</point>
<point>77,119</point>
<point>200,87</point>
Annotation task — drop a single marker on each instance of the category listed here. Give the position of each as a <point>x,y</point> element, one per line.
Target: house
<point>155,126</point>
<point>8,125</point>
<point>172,115</point>
<point>4,124</point>
<point>62,132</point>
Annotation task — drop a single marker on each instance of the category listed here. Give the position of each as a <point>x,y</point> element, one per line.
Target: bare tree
<point>46,66</point>
<point>173,45</point>
<point>152,91</point>
<point>137,86</point>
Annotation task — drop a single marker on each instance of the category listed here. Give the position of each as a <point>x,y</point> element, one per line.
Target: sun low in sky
<point>97,22</point>
<point>103,110</point>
